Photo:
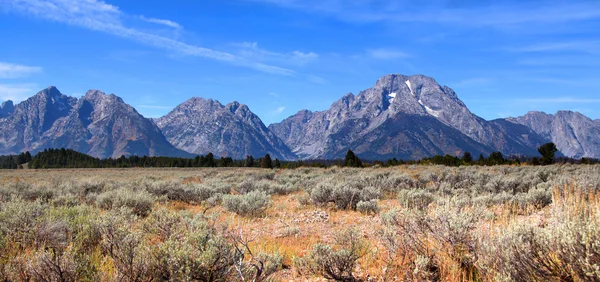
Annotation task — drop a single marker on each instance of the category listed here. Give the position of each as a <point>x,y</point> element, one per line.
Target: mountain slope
<point>97,124</point>
<point>353,117</point>
<point>21,130</point>
<point>574,134</point>
<point>406,136</point>
<point>201,126</point>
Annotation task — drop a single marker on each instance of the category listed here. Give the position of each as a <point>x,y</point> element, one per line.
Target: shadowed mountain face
<point>98,124</point>
<point>574,134</point>
<point>406,136</point>
<point>6,109</point>
<point>201,126</point>
<point>355,118</point>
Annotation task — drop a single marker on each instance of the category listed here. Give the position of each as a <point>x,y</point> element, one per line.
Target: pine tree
<point>547,151</point>
<point>467,158</point>
<point>352,160</point>
<point>481,160</point>
<point>495,158</point>
<point>209,160</point>
<point>266,162</point>
<point>249,161</point>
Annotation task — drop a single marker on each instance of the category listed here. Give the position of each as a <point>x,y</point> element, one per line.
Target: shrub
<point>18,220</point>
<point>370,193</point>
<point>140,202</point>
<point>415,198</point>
<point>346,197</point>
<point>445,233</point>
<point>322,194</point>
<point>336,262</point>
<point>124,246</point>
<point>254,203</point>
<point>45,265</point>
<point>367,207</point>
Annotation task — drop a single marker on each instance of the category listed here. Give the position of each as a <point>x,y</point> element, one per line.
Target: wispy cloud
<point>558,100</point>
<point>316,79</point>
<point>16,92</point>
<point>501,14</point>
<point>475,81</point>
<point>99,16</point>
<point>168,23</point>
<point>252,50</point>
<point>279,110</point>
<point>591,47</point>
<point>386,54</point>
<point>8,70</point>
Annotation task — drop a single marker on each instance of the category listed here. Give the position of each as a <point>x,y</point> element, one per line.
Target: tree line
<point>14,161</point>
<point>67,158</point>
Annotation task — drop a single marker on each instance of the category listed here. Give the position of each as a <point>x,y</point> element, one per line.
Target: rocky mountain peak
<point>390,82</point>
<point>200,104</point>
<point>49,97</point>
<point>8,104</point>
<point>7,108</point>
<point>397,98</point>
<point>201,126</point>
<point>97,96</point>
<point>574,134</point>
<point>236,108</point>
<point>50,91</point>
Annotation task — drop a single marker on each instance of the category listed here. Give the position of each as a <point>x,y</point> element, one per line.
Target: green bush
<point>140,201</point>
<point>415,198</point>
<point>367,207</point>
<point>336,262</point>
<point>254,203</point>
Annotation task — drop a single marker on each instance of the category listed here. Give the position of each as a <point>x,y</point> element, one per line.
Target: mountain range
<point>404,117</point>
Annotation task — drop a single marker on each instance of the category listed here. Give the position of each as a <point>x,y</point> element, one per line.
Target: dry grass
<point>494,204</point>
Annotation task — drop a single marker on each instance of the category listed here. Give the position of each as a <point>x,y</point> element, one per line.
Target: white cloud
<point>386,54</point>
<point>316,79</point>
<point>100,16</point>
<point>8,70</point>
<point>591,47</point>
<point>279,110</point>
<point>252,50</point>
<point>558,100</point>
<point>501,14</point>
<point>476,81</point>
<point>16,92</point>
<point>161,22</point>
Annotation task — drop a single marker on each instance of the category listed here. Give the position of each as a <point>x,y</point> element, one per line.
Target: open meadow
<point>406,223</point>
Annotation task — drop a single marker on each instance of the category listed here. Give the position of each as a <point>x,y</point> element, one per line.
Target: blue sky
<point>503,58</point>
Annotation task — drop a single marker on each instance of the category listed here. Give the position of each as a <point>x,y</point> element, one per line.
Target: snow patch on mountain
<point>410,87</point>
<point>391,97</point>
<point>430,110</point>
